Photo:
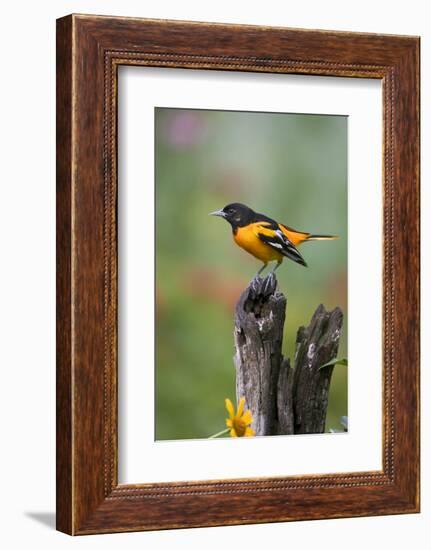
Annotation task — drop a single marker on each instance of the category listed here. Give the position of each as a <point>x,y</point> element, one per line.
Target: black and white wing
<point>278,240</point>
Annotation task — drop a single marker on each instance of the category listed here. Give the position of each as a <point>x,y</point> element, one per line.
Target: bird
<point>264,238</point>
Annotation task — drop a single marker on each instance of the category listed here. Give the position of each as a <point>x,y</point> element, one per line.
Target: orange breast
<point>247,238</point>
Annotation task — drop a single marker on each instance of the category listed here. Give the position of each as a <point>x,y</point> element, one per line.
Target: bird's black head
<point>237,214</point>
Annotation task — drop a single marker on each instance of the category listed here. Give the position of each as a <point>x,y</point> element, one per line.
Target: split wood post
<point>283,400</point>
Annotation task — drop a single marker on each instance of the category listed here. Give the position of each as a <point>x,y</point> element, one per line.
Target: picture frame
<point>89,51</point>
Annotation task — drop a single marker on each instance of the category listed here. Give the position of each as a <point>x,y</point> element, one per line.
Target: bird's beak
<point>218,213</point>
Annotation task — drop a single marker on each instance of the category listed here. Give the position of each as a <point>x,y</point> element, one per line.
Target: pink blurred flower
<point>185,129</point>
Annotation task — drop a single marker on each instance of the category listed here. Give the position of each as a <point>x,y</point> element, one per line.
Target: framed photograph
<point>259,364</point>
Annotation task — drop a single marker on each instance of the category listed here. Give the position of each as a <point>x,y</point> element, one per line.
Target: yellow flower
<point>239,423</point>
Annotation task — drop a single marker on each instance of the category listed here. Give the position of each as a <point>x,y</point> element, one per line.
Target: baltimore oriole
<point>263,237</point>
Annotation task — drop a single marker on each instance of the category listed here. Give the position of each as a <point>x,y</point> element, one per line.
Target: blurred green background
<point>291,167</point>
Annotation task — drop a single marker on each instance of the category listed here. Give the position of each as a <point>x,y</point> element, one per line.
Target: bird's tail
<point>321,237</point>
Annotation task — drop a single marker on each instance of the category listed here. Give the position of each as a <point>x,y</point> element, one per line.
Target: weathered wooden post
<point>283,400</point>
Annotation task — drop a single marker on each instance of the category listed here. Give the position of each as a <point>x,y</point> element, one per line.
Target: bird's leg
<point>260,270</point>
<point>277,266</point>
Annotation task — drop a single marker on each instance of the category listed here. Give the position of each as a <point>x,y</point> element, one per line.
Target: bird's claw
<point>263,287</point>
<point>269,284</point>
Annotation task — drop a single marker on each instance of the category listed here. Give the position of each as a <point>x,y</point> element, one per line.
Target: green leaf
<point>334,362</point>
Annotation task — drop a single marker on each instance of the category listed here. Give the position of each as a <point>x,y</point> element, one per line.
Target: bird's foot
<point>263,286</point>
<point>269,285</point>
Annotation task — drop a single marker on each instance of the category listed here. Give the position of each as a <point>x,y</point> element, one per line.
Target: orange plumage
<point>263,237</point>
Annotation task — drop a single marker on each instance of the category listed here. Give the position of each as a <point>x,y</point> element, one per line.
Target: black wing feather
<point>280,242</point>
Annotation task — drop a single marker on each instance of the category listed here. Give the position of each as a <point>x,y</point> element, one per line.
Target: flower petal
<point>247,417</point>
<point>233,433</point>
<point>240,406</point>
<point>229,407</point>
<point>249,432</point>
<point>229,423</point>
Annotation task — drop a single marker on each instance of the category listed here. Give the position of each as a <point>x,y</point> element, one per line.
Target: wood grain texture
<point>89,499</point>
<point>282,401</point>
<point>316,345</point>
<point>259,324</point>
<point>64,496</point>
<point>286,418</point>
